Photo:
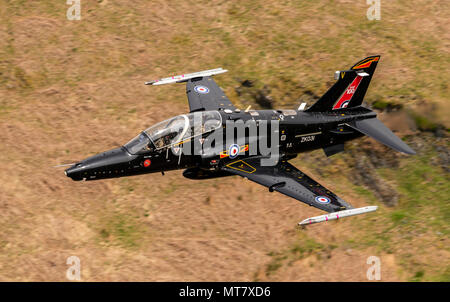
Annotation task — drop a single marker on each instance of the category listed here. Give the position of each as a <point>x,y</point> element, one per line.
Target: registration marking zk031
<point>308,134</point>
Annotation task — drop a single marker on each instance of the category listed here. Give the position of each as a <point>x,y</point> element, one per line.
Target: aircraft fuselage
<point>299,132</point>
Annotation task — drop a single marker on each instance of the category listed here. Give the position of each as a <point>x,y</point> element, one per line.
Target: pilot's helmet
<point>211,124</point>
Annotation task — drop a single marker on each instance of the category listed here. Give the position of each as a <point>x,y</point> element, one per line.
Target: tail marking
<point>366,63</point>
<point>347,95</point>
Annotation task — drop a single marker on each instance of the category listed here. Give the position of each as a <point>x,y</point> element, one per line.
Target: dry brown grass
<point>72,89</point>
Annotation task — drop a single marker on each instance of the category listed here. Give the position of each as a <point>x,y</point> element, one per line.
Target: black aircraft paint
<point>336,118</point>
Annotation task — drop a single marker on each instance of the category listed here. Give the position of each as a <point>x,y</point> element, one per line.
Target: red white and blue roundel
<point>233,151</point>
<point>322,199</point>
<point>201,89</point>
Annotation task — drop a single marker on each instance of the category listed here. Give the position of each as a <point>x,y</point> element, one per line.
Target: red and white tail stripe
<point>346,97</point>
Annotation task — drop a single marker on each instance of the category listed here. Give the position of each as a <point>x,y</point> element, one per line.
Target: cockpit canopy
<point>174,131</point>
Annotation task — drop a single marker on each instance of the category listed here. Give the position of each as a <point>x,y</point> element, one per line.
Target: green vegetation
<point>122,230</point>
<point>424,123</point>
<point>422,214</point>
<point>383,105</point>
<point>304,246</point>
<point>275,263</point>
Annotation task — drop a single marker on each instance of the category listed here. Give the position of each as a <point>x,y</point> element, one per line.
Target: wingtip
<point>338,215</point>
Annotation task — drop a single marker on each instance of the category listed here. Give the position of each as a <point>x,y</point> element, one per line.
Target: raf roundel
<point>322,199</point>
<point>201,89</point>
<point>233,151</point>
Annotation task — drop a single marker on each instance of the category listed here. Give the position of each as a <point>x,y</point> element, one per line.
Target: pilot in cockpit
<point>166,137</point>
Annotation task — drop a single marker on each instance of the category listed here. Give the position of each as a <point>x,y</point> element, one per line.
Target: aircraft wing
<point>202,91</point>
<point>204,94</point>
<point>288,180</point>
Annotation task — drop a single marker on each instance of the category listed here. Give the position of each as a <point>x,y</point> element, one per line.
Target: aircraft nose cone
<point>74,172</point>
<point>100,165</point>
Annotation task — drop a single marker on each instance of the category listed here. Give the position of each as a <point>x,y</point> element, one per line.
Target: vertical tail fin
<point>350,88</point>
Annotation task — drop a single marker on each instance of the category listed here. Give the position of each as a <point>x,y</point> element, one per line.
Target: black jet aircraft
<point>337,117</point>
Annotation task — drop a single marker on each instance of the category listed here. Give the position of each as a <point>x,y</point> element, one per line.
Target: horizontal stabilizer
<point>185,77</point>
<point>377,130</point>
<point>337,215</point>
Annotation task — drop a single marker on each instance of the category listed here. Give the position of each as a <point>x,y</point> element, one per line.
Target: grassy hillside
<point>70,89</point>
